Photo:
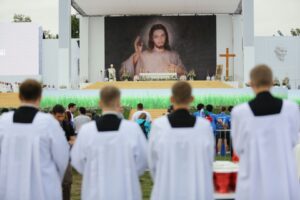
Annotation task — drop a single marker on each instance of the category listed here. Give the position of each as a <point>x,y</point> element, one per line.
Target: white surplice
<point>265,146</point>
<point>110,161</point>
<point>33,158</point>
<point>180,161</point>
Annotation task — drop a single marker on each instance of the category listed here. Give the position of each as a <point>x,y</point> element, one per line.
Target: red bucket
<point>222,182</point>
<point>225,176</point>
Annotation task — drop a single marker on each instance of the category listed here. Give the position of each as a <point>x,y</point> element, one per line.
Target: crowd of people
<point>38,150</point>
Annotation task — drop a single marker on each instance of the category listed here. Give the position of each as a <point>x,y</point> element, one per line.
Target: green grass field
<point>145,180</point>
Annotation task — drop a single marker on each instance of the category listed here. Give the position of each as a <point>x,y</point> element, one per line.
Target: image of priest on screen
<point>158,58</point>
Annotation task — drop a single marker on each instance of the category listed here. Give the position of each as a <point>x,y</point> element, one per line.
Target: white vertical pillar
<point>64,52</point>
<point>248,37</point>
<point>84,25</point>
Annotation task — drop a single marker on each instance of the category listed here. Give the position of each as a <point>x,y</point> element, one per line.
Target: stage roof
<point>156,7</point>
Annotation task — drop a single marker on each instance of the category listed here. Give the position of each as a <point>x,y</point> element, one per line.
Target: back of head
<point>140,106</point>
<point>58,109</point>
<point>109,96</point>
<point>209,108</point>
<point>261,76</point>
<point>30,90</point>
<point>82,110</point>
<point>71,105</point>
<point>230,108</point>
<point>182,93</point>
<point>223,109</point>
<point>200,106</point>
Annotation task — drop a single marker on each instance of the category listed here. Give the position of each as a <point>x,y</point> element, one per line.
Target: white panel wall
<point>238,62</point>
<point>50,71</point>
<point>224,40</point>
<point>50,62</point>
<point>96,48</point>
<point>289,66</point>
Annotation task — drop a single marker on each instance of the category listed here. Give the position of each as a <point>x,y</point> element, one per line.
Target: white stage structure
<point>233,19</point>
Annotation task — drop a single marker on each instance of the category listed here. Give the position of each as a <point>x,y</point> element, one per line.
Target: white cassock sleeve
<point>141,152</point>
<point>1,136</point>
<point>296,127</point>
<point>60,148</point>
<point>78,158</point>
<point>152,153</point>
<point>237,132</point>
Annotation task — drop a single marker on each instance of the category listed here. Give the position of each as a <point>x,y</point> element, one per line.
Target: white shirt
<point>79,121</point>
<point>137,114</point>
<point>265,146</point>
<point>180,161</point>
<point>110,161</point>
<point>33,158</point>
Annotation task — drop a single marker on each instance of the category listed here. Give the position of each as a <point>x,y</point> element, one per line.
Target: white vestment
<point>180,161</point>
<point>110,161</point>
<point>265,146</point>
<point>33,158</point>
<point>137,114</point>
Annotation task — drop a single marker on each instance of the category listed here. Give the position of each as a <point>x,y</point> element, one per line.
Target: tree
<point>295,32</point>
<point>74,26</point>
<point>21,18</point>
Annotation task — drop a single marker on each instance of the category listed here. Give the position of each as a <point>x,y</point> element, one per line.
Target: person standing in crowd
<point>200,111</point>
<point>181,151</point>
<point>81,119</point>
<point>144,124</point>
<point>140,110</point>
<point>59,114</point>
<point>34,153</point>
<point>222,132</point>
<point>70,113</point>
<point>110,153</point>
<point>264,133</point>
<point>210,116</point>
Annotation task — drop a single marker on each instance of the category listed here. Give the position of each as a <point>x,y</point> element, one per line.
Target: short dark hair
<point>209,108</point>
<point>230,108</point>
<point>82,110</point>
<point>223,109</point>
<point>108,94</point>
<point>140,106</point>
<point>261,76</point>
<point>182,92</point>
<point>30,90</point>
<point>71,105</point>
<point>154,28</point>
<point>58,109</point>
<point>200,106</point>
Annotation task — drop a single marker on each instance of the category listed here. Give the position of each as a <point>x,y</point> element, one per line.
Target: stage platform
<point>9,100</point>
<point>157,84</point>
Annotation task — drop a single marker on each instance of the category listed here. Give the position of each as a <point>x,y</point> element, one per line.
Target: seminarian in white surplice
<point>110,153</point>
<point>265,132</point>
<point>181,152</point>
<point>33,150</point>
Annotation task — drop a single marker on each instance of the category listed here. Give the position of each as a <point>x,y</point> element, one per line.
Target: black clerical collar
<point>265,104</point>
<point>265,94</point>
<point>25,114</point>
<point>181,118</point>
<point>108,122</point>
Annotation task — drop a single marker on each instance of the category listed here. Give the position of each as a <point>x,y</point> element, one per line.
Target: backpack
<point>143,127</point>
